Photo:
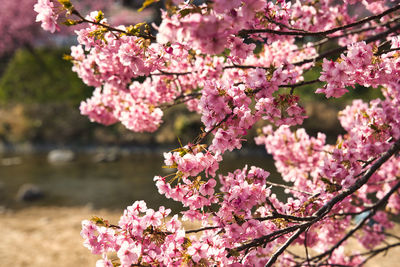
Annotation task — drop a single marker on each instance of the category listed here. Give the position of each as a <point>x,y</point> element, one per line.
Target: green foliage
<point>41,76</point>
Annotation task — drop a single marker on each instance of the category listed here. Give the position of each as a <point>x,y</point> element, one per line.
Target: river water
<point>113,185</point>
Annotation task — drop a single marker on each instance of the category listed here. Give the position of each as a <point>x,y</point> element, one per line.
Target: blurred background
<point>57,168</point>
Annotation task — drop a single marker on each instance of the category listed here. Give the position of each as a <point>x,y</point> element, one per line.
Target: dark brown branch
<point>324,210</point>
<point>269,202</point>
<point>171,73</point>
<point>202,229</point>
<point>325,54</point>
<point>110,28</point>
<point>267,238</point>
<point>306,247</point>
<point>388,51</point>
<point>285,26</point>
<point>344,48</point>
<point>288,187</point>
<point>330,38</point>
<point>379,249</point>
<point>275,215</point>
<point>181,99</point>
<point>384,233</point>
<point>360,182</point>
<point>300,84</point>
<point>204,135</point>
<point>244,67</point>
<point>373,209</point>
<point>277,253</point>
<point>375,252</point>
<point>320,33</point>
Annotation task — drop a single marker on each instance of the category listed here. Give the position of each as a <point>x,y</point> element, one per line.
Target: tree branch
<point>110,28</point>
<point>344,48</point>
<point>325,209</point>
<point>320,33</point>
<point>373,209</point>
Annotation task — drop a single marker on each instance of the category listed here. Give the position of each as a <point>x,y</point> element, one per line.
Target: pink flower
<point>164,188</point>
<point>104,263</point>
<point>169,159</point>
<point>174,224</point>
<point>208,188</point>
<point>137,207</point>
<point>153,217</point>
<point>46,14</point>
<point>128,253</point>
<point>197,251</point>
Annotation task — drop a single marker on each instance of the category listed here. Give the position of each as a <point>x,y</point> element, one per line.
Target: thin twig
<point>375,252</point>
<point>204,135</point>
<point>275,256</point>
<point>288,188</point>
<point>110,28</point>
<point>306,246</point>
<point>330,38</point>
<point>374,209</point>
<point>300,83</point>
<point>344,48</point>
<point>325,209</point>
<point>202,229</point>
<point>162,72</point>
<point>320,33</point>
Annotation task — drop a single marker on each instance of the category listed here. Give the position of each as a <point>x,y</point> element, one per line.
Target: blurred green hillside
<point>41,76</point>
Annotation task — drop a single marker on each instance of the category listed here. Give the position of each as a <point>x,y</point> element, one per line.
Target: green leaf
<point>66,4</point>
<point>99,221</point>
<point>146,4</point>
<point>374,127</point>
<point>234,252</point>
<point>70,22</point>
<point>67,57</point>
<point>100,16</point>
<point>187,11</point>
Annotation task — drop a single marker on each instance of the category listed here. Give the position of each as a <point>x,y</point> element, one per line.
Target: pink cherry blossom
<point>46,15</point>
<point>240,64</point>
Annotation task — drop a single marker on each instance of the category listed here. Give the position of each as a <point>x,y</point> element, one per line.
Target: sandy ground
<point>38,237</point>
<point>46,237</point>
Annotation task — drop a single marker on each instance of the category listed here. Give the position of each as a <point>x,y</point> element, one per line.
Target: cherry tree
<point>237,62</point>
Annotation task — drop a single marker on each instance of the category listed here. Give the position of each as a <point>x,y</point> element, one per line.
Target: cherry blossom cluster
<point>360,66</point>
<point>237,63</point>
<point>47,15</point>
<point>190,189</point>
